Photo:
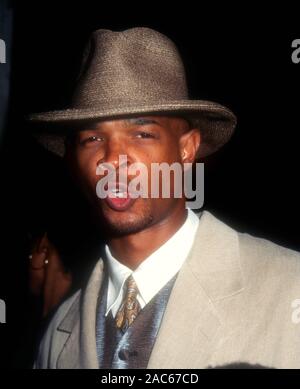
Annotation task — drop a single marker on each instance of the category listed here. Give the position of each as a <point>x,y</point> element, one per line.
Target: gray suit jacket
<point>232,301</point>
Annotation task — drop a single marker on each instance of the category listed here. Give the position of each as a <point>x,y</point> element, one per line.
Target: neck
<point>132,250</point>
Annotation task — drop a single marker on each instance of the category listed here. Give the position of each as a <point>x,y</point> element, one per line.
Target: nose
<point>113,152</point>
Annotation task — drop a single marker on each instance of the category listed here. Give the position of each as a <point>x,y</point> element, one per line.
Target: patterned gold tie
<point>130,306</point>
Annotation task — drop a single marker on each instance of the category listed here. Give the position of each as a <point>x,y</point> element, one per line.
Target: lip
<point>119,204</point>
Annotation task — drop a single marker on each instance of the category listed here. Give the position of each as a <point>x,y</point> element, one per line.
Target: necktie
<point>130,306</point>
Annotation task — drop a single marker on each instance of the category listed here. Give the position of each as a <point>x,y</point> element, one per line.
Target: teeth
<point>120,194</point>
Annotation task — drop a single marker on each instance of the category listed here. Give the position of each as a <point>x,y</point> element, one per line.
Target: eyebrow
<point>94,126</point>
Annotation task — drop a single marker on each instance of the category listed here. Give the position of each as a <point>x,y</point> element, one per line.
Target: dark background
<point>241,59</point>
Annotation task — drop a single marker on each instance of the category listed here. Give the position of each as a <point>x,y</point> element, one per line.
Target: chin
<point>126,223</point>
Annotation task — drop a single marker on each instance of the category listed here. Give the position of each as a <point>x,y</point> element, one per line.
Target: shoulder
<point>261,260</point>
<point>254,251</point>
<point>270,271</point>
<point>265,254</point>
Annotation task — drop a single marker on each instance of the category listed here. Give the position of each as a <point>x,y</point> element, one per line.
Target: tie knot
<point>131,287</point>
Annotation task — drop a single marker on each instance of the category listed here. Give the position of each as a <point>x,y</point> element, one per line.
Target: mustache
<point>116,174</point>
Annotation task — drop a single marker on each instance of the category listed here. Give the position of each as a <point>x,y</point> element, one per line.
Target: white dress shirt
<point>155,271</point>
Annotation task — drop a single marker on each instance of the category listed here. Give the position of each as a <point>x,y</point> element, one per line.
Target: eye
<point>91,139</point>
<point>145,135</point>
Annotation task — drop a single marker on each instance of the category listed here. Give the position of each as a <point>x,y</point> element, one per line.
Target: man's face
<point>142,140</point>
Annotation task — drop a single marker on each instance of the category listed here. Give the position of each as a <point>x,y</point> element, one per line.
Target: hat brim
<point>215,122</point>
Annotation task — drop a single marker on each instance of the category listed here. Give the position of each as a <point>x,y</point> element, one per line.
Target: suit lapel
<point>79,351</point>
<point>70,327</point>
<point>192,327</point>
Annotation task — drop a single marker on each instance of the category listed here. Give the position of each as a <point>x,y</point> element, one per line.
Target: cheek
<point>169,151</point>
<point>165,151</point>
<point>86,171</point>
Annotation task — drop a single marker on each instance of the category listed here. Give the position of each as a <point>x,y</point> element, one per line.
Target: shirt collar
<point>160,267</point>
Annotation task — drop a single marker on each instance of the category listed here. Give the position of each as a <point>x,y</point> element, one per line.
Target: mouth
<point>119,198</point>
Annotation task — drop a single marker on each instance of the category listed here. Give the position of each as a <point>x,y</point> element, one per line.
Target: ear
<point>189,144</point>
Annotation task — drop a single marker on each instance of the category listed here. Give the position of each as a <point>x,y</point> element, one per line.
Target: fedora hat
<point>133,72</point>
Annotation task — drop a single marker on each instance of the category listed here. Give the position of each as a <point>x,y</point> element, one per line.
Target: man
<point>171,289</point>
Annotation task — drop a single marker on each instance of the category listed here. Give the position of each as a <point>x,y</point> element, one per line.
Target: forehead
<point>166,122</point>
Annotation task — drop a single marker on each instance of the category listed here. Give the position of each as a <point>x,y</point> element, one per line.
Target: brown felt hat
<point>131,73</point>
